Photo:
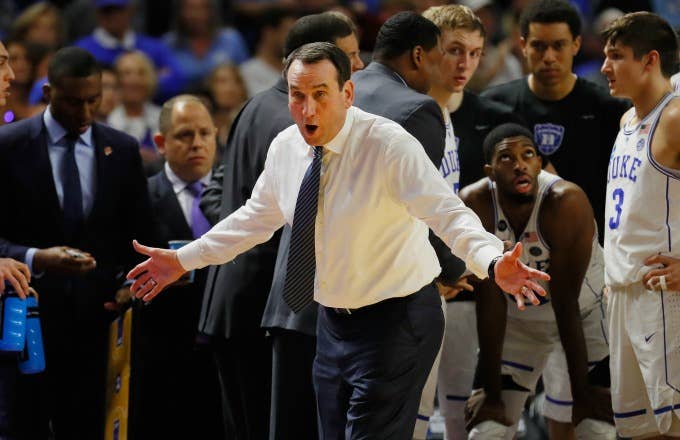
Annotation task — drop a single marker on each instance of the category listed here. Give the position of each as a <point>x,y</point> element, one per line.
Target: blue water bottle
<point>32,359</point>
<point>12,321</point>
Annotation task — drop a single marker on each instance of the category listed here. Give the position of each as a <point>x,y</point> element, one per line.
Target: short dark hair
<point>313,28</point>
<point>644,32</point>
<point>550,11</point>
<point>401,33</point>
<point>71,62</point>
<point>501,132</point>
<point>316,52</point>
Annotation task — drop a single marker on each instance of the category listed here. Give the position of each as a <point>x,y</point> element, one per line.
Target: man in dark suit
<point>175,364</point>
<point>74,188</point>
<point>395,84</point>
<point>236,292</point>
<point>407,54</point>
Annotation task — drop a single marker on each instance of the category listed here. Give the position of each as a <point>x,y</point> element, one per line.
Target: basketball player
<point>571,118</point>
<point>462,39</point>
<point>444,83</point>
<point>642,226</point>
<point>520,203</point>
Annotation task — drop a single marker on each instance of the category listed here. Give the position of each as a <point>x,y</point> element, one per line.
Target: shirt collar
<point>56,132</point>
<point>110,42</point>
<point>337,144</point>
<point>179,185</point>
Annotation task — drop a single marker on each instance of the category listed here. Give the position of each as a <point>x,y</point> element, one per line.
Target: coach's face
<point>317,103</point>
<point>6,75</point>
<point>74,101</point>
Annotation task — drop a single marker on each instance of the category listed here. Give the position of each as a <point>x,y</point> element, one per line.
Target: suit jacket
<point>169,221</point>
<point>33,216</point>
<point>236,292</point>
<point>169,322</point>
<point>380,90</point>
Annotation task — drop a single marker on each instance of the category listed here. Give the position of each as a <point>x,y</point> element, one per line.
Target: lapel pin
<point>108,151</point>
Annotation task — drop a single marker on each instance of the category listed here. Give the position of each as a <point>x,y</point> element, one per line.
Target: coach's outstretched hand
<point>517,279</point>
<point>161,269</point>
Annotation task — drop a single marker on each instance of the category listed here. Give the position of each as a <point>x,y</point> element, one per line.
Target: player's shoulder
<point>669,121</point>
<point>564,197</point>
<point>476,192</point>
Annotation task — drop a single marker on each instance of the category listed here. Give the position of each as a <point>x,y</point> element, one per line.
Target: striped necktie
<point>298,289</point>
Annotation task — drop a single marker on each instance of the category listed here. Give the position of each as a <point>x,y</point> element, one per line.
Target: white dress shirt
<point>376,183</point>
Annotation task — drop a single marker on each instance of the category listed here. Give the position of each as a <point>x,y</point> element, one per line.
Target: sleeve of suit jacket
<point>427,125</point>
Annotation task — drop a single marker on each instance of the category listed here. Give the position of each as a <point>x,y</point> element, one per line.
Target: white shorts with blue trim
<point>426,407</point>
<point>558,402</point>
<point>533,348</point>
<point>644,330</point>
<point>459,358</point>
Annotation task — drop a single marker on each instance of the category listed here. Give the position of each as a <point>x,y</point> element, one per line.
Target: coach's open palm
<point>517,279</point>
<point>161,269</point>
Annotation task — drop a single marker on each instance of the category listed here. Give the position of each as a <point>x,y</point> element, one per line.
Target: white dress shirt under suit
<point>377,184</point>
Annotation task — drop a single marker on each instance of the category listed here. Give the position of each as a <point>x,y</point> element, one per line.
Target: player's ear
<point>488,171</point>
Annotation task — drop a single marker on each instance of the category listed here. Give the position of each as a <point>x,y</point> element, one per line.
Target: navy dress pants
<point>371,366</point>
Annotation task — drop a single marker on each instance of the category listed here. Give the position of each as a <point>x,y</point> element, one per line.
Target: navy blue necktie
<point>73,194</point>
<point>298,289</point>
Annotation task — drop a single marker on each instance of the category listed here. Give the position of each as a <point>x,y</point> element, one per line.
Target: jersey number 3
<point>617,195</point>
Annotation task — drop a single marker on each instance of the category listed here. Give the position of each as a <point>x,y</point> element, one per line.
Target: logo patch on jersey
<point>644,128</point>
<point>502,225</point>
<point>548,137</point>
<point>640,144</point>
<point>530,237</point>
<point>535,251</point>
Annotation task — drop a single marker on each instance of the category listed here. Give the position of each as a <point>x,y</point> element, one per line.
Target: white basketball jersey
<point>450,167</point>
<point>536,254</point>
<point>675,82</point>
<point>642,214</point>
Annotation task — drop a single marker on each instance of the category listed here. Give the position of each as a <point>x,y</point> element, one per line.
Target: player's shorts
<point>459,358</point>
<point>426,408</point>
<point>558,402</point>
<point>644,331</point>
<point>532,348</point>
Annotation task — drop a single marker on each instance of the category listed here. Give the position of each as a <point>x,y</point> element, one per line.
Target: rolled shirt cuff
<point>190,256</point>
<point>479,262</point>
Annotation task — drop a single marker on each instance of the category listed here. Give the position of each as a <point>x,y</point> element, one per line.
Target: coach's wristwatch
<point>492,266</point>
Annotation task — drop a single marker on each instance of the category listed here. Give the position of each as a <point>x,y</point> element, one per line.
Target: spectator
<point>200,43</point>
<point>498,65</point>
<point>110,94</point>
<point>17,101</point>
<point>39,23</point>
<point>227,93</point>
<point>114,36</point>
<point>136,115</point>
<point>264,69</point>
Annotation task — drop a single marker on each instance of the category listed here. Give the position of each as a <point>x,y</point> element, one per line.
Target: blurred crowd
<point>226,52</point>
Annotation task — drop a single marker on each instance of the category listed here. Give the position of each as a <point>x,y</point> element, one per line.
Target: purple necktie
<point>199,224</point>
